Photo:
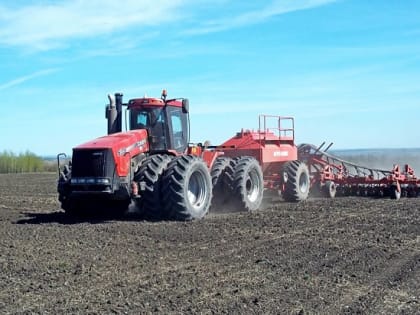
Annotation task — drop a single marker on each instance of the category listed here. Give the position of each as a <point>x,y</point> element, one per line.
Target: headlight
<point>91,181</point>
<point>103,181</point>
<point>78,180</point>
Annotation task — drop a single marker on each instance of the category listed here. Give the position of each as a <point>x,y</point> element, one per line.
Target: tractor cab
<point>166,121</point>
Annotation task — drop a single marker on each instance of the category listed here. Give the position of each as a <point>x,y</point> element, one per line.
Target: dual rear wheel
<point>188,188</point>
<point>237,183</point>
<point>150,177</point>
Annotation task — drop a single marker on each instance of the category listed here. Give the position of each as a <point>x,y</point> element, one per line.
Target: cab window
<point>179,129</point>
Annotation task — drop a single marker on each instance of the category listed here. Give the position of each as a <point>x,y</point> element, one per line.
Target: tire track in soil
<point>234,249</point>
<point>388,272</point>
<point>197,267</point>
<point>382,284</point>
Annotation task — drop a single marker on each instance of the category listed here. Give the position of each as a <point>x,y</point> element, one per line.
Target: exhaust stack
<point>113,112</point>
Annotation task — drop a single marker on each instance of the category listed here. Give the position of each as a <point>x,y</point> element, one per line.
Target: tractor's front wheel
<point>150,175</point>
<point>187,188</point>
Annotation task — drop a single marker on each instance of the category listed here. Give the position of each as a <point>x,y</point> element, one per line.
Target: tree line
<point>22,163</point>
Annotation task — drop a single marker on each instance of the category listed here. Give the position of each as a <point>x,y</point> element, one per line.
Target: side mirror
<point>185,105</point>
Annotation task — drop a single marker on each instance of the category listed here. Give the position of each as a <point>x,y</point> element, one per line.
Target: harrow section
<point>331,176</point>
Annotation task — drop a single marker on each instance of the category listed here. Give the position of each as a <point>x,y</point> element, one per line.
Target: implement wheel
<point>150,173</point>
<point>247,185</point>
<point>330,189</point>
<point>394,192</point>
<point>187,188</point>
<point>297,183</point>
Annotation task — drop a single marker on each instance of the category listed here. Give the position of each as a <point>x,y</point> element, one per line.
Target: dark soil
<point>340,256</point>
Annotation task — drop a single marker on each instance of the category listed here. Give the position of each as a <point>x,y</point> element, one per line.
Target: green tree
<point>24,162</point>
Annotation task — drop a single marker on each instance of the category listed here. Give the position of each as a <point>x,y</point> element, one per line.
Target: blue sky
<point>347,70</point>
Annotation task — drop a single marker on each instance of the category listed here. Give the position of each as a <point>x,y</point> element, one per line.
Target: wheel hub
<point>197,190</point>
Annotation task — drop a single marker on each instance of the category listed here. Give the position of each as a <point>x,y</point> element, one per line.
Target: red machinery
<point>331,175</point>
<point>154,165</point>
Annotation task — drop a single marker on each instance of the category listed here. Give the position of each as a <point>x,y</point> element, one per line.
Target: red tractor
<point>154,165</point>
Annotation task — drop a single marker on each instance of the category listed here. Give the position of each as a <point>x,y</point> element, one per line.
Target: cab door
<point>178,129</point>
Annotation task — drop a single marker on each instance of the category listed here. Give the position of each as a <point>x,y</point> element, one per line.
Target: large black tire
<point>247,184</point>
<point>218,173</point>
<point>329,189</point>
<point>150,175</point>
<point>187,188</point>
<point>69,207</point>
<point>230,172</point>
<point>297,182</point>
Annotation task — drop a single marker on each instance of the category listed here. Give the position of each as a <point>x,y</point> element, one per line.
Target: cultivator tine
<point>329,146</point>
<point>319,148</point>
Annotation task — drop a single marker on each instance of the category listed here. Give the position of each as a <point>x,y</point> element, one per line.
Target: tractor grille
<point>93,163</point>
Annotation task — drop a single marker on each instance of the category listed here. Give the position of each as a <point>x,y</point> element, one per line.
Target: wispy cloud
<point>50,25</point>
<point>276,7</point>
<point>46,26</point>
<point>28,77</point>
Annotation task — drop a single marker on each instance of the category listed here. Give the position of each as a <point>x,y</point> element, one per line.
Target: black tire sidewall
<point>250,168</point>
<point>198,166</point>
<point>295,170</point>
<point>177,177</point>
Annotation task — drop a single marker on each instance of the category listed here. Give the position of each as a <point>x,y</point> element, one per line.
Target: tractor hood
<point>124,145</point>
<point>134,141</point>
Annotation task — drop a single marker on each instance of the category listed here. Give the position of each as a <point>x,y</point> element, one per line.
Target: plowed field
<point>340,256</point>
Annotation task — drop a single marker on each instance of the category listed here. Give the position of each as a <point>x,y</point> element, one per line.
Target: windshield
<point>146,117</point>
